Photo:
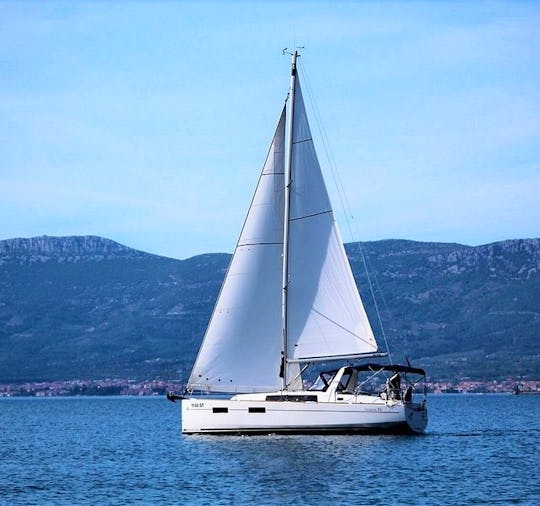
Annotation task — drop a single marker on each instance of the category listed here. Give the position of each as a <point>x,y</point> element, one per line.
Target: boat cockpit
<point>390,382</point>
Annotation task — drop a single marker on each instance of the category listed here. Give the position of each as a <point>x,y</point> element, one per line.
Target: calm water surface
<point>479,449</point>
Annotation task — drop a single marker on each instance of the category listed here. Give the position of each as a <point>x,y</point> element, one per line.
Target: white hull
<point>248,414</point>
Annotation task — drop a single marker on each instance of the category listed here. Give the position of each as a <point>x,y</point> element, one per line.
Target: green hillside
<point>87,307</point>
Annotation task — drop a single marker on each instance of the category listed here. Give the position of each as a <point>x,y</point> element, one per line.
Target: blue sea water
<point>479,449</point>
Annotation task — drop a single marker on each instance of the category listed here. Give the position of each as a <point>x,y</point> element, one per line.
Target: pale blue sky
<point>148,122</point>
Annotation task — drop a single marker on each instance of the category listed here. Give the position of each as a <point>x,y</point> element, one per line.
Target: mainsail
<point>325,318</point>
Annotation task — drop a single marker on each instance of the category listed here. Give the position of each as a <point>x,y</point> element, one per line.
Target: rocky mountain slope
<point>87,307</point>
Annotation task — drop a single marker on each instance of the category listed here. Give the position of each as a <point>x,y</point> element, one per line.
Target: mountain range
<point>88,307</point>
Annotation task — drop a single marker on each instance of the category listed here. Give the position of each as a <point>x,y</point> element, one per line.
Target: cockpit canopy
<point>367,378</point>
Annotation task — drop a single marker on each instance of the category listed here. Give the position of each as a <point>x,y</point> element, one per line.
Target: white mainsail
<point>325,318</point>
<point>241,351</point>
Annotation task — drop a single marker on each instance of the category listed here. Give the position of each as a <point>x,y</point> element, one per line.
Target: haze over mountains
<point>88,307</point>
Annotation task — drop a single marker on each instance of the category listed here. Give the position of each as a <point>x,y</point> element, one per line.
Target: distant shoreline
<point>89,388</point>
<point>148,388</point>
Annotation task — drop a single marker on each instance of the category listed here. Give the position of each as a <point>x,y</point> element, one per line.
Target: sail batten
<point>310,215</point>
<point>260,243</point>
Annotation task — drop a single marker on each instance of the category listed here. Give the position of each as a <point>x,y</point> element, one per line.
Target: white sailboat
<point>288,301</point>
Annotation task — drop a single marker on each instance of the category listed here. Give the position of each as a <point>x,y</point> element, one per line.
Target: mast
<point>288,164</point>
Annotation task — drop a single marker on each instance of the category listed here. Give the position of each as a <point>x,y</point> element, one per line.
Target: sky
<point>148,122</point>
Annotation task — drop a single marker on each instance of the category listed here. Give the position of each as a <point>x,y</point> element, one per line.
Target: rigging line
<point>342,195</point>
<point>378,286</point>
<point>365,262</point>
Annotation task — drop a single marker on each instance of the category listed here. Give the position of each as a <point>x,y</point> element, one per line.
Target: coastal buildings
<point>161,387</point>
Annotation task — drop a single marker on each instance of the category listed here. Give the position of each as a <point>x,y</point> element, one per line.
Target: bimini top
<point>386,367</point>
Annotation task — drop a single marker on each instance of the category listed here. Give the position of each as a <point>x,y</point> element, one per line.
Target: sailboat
<point>289,302</point>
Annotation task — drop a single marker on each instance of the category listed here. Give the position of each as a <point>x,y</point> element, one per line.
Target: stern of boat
<point>416,416</point>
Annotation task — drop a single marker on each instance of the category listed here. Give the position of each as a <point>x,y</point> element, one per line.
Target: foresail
<point>241,350</point>
<point>325,315</point>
